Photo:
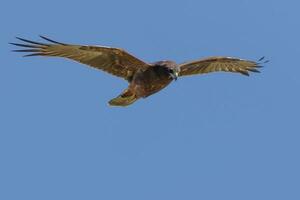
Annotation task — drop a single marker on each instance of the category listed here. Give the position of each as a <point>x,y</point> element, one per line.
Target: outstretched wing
<point>226,64</point>
<point>112,60</point>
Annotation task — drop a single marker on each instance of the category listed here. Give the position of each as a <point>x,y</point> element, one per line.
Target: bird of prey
<point>144,78</point>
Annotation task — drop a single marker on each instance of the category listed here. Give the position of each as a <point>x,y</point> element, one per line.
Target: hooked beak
<point>174,75</point>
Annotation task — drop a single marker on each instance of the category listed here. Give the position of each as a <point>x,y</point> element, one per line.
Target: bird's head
<point>173,73</point>
<point>171,67</point>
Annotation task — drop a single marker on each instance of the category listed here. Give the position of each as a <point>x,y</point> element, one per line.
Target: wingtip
<point>22,39</point>
<point>254,70</point>
<point>43,37</point>
<point>261,58</point>
<point>31,42</point>
<point>50,40</point>
<point>245,73</point>
<point>11,43</point>
<point>33,54</point>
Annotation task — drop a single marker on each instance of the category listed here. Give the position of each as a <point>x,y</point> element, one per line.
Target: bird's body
<point>144,79</point>
<point>151,80</point>
<point>146,82</point>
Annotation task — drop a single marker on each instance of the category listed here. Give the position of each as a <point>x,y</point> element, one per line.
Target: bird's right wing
<point>226,64</point>
<point>112,60</point>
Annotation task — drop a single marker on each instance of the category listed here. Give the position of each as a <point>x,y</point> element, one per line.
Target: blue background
<point>215,136</point>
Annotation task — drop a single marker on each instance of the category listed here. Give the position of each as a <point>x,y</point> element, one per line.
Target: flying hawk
<point>144,78</point>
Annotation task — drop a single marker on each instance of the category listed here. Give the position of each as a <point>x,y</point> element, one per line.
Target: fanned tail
<point>125,99</point>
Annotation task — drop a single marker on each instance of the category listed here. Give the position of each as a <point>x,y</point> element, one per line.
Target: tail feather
<point>125,99</point>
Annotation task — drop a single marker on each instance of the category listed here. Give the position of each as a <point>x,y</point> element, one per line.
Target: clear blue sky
<point>215,136</point>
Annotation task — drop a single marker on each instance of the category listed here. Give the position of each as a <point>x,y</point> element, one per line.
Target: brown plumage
<point>144,78</point>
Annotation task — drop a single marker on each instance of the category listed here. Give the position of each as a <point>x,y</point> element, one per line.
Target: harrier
<point>144,78</point>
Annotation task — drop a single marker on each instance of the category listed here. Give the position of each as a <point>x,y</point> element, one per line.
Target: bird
<point>144,79</point>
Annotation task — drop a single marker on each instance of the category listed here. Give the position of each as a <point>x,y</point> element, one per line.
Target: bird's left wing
<point>226,64</point>
<point>112,60</point>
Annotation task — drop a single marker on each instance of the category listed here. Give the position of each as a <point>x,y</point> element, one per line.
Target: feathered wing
<point>112,60</point>
<point>226,64</point>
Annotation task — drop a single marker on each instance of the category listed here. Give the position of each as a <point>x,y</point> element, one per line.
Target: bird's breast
<point>149,82</point>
